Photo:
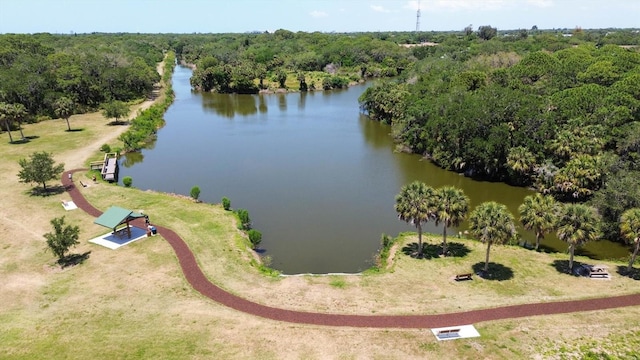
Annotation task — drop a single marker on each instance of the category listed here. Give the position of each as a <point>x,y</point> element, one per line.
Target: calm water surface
<point>318,178</point>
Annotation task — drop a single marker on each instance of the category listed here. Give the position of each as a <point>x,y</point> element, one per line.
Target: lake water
<point>317,177</point>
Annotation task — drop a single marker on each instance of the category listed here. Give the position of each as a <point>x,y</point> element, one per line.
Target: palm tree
<point>64,108</point>
<point>630,230</point>
<point>18,112</point>
<point>491,223</point>
<point>578,224</point>
<point>539,213</point>
<point>452,207</point>
<point>415,205</point>
<point>521,161</point>
<point>5,116</point>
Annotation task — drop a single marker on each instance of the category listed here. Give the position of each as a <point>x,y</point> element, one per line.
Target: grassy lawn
<point>134,302</point>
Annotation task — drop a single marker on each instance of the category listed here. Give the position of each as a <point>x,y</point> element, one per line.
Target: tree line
<point>52,75</point>
<point>563,118</point>
<point>245,63</point>
<point>493,224</point>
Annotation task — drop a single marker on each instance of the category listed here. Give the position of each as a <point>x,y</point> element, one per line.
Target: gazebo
<point>116,216</point>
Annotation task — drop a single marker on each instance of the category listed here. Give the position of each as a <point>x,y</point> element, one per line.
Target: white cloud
<point>413,5</point>
<point>378,8</point>
<point>541,3</point>
<point>318,14</point>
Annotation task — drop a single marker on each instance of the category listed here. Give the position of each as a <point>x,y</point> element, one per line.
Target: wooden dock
<point>108,167</point>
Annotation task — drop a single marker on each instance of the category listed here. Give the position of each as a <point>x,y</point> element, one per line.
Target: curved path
<point>199,281</point>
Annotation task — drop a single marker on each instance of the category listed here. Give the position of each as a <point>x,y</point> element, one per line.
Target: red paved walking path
<point>199,281</point>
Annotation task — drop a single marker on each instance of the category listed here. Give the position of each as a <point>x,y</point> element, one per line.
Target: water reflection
<point>132,158</point>
<point>302,100</point>
<point>230,105</point>
<point>282,101</point>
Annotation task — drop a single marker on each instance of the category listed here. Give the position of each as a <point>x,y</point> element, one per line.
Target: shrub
<point>226,203</point>
<point>243,216</point>
<point>255,237</point>
<point>387,243</point>
<point>127,181</point>
<point>105,148</point>
<point>195,193</point>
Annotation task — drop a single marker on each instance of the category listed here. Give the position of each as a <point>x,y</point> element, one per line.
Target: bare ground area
<point>135,303</point>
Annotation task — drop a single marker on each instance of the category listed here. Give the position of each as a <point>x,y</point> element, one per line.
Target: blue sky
<point>221,16</point>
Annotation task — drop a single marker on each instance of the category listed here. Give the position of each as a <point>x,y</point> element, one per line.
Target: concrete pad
<point>113,242</point>
<point>455,332</point>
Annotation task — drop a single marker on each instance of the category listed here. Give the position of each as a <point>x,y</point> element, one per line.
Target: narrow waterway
<point>317,177</point>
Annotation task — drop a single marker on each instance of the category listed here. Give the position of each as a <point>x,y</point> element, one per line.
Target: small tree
<point>62,238</point>
<point>255,237</point>
<point>115,109</point>
<point>243,216</point>
<point>487,32</point>
<point>40,168</point>
<point>226,203</point>
<point>195,193</point>
<point>281,76</point>
<point>64,108</point>
<point>127,181</point>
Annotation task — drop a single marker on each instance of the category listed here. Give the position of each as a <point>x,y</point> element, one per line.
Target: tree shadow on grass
<point>496,271</point>
<point>429,251</point>
<point>51,190</point>
<point>26,140</point>
<point>455,249</point>
<point>433,251</point>
<point>562,266</point>
<point>118,123</point>
<point>73,259</point>
<point>75,130</point>
<point>633,274</point>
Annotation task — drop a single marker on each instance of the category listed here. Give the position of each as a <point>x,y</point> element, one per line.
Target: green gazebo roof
<point>115,216</point>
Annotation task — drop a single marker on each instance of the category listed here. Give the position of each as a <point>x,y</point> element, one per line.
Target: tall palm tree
<point>415,205</point>
<point>539,213</point>
<point>18,112</point>
<point>578,224</point>
<point>5,116</point>
<point>630,230</point>
<point>452,207</point>
<point>491,223</point>
<point>64,108</point>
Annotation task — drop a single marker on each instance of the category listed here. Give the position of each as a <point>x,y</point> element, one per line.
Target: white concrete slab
<point>69,205</point>
<point>455,332</point>
<point>113,242</point>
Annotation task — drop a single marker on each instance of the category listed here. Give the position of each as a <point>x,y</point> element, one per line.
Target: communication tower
<point>418,18</point>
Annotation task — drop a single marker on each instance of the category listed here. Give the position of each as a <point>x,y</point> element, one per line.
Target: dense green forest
<point>246,63</point>
<point>37,70</point>
<point>557,110</point>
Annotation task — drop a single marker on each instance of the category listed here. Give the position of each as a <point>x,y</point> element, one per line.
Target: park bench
<point>599,273</point>
<point>461,277</point>
<point>446,334</point>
